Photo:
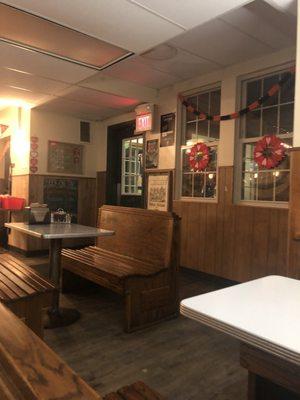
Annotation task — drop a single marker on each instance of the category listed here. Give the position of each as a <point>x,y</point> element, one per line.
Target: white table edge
<point>101,232</point>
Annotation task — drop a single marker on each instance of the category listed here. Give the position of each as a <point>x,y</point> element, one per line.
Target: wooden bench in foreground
<point>24,291</point>
<point>139,262</point>
<point>30,370</point>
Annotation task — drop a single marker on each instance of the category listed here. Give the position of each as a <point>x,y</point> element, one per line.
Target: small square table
<point>56,232</point>
<point>264,314</point>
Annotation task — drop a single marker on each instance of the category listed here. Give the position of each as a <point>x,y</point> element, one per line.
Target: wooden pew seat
<point>139,262</point>
<point>136,391</point>
<point>24,291</point>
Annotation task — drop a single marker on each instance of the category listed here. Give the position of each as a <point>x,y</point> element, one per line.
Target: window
<point>274,117</point>
<point>200,184</point>
<point>132,153</point>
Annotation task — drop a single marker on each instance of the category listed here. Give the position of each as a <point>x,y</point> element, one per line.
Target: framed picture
<point>65,158</point>
<point>152,151</point>
<point>167,129</point>
<point>159,190</point>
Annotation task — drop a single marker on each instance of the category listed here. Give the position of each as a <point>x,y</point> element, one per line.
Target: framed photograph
<point>65,158</point>
<point>159,190</point>
<point>152,152</point>
<point>167,129</point>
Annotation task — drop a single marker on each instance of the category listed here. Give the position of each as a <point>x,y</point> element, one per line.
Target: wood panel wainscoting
<point>237,242</point>
<point>31,187</point>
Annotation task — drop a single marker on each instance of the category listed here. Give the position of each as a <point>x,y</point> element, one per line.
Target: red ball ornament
<point>269,152</point>
<point>199,157</point>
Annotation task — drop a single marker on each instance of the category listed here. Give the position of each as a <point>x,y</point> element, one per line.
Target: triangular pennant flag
<point>3,128</point>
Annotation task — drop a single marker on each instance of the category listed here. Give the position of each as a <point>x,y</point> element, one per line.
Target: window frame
<point>124,159</point>
<point>240,141</point>
<point>182,145</point>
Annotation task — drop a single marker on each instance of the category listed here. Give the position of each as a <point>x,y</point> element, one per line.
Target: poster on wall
<point>152,151</point>
<point>65,158</point>
<point>159,191</point>
<point>167,129</point>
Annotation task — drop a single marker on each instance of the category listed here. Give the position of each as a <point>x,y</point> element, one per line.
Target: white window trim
<point>181,112</point>
<point>239,141</point>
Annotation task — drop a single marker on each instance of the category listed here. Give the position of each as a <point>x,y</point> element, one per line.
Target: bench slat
<point>14,281</point>
<point>34,279</point>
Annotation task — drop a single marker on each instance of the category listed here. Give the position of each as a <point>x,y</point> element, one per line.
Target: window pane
<point>199,189</point>
<point>282,185</point>
<point>265,186</point>
<point>248,163</point>
<point>202,129</point>
<point>248,186</point>
<point>191,131</point>
<point>269,121</point>
<point>287,92</point>
<point>185,160</point>
<point>187,185</point>
<point>215,102</point>
<point>212,165</point>
<point>190,116</point>
<point>286,118</point>
<point>267,84</point>
<point>203,100</point>
<point>211,184</point>
<point>252,124</point>
<point>214,129</point>
<point>253,91</point>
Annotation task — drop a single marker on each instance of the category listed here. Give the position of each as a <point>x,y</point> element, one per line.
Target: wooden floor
<point>180,358</point>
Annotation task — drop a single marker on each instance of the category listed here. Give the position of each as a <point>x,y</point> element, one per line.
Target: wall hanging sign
<point>144,117</point>
<point>34,153</point>
<point>65,158</point>
<point>62,193</point>
<point>152,152</point>
<point>159,190</point>
<point>199,157</point>
<point>167,129</point>
<point>269,152</point>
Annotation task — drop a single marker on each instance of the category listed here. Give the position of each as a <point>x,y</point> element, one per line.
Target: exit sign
<point>143,122</point>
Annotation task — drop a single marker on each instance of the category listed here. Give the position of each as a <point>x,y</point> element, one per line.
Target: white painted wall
<point>63,128</point>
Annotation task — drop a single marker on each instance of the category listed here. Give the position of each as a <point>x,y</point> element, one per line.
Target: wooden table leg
<point>269,377</point>
<point>58,316</point>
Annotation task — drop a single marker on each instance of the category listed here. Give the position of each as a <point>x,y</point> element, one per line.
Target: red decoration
<point>3,128</point>
<point>199,157</point>
<point>269,152</point>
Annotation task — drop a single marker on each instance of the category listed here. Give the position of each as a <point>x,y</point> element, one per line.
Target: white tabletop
<point>264,313</point>
<point>58,231</point>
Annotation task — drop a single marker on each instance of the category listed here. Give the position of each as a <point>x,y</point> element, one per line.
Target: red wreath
<point>199,157</point>
<point>269,152</point>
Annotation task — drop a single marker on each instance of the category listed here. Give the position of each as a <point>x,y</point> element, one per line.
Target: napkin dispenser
<point>37,214</point>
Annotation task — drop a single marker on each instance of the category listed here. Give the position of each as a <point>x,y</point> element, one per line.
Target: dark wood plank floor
<point>180,358</point>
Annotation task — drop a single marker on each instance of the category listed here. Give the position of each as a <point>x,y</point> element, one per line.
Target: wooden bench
<point>136,391</point>
<point>30,370</point>
<point>24,291</point>
<point>139,262</point>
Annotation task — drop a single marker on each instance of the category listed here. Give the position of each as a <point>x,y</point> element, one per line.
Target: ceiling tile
<point>118,22</point>
<point>30,82</point>
<point>77,109</point>
<point>221,43</point>
<point>99,99</point>
<point>183,64</point>
<point>252,22</point>
<point>135,71</point>
<point>11,94</point>
<point>39,64</point>
<point>190,13</point>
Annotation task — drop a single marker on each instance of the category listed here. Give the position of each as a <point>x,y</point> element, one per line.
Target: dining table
<point>264,315</point>
<point>55,232</point>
